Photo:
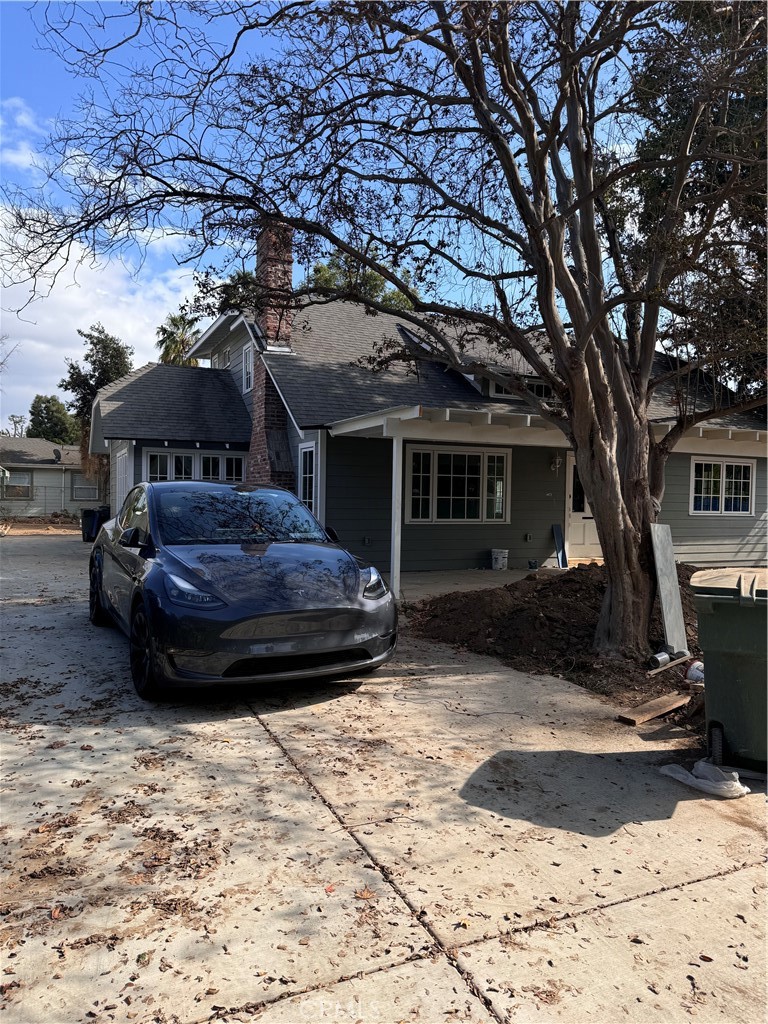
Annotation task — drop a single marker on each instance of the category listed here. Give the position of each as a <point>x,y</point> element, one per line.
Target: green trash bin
<point>731,605</point>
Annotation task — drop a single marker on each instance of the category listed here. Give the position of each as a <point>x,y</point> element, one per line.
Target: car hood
<point>273,576</point>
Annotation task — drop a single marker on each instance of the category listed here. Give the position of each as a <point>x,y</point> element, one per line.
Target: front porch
<point>417,586</point>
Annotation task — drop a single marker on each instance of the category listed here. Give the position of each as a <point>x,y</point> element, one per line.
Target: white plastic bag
<point>708,778</point>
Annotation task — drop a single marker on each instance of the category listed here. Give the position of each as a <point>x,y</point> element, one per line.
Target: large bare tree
<point>558,179</point>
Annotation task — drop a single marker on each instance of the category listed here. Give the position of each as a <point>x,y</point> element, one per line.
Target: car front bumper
<point>205,649</point>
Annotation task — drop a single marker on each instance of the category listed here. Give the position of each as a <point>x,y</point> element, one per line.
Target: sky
<point>130,301</point>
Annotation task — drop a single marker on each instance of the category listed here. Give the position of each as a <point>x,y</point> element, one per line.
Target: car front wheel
<point>147,680</point>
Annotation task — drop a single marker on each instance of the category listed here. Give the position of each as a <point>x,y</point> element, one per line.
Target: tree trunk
<point>612,458</point>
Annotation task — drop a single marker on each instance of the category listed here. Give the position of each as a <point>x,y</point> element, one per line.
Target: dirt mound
<point>30,526</point>
<point>545,623</point>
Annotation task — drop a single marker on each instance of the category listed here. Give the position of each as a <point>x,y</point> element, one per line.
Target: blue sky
<point>130,301</point>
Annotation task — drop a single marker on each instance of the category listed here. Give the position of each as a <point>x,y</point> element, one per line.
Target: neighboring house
<point>422,470</point>
<point>41,477</point>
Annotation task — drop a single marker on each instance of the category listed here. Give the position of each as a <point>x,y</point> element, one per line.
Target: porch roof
<point>407,420</point>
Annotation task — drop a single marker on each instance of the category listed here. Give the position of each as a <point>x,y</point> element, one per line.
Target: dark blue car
<point>217,583</point>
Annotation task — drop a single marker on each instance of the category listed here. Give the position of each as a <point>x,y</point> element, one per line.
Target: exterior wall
<point>716,540</point>
<point>537,500</point>
<point>358,487</point>
<point>51,492</point>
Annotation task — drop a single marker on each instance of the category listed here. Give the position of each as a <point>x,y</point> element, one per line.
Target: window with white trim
<point>224,362</point>
<point>307,476</point>
<point>82,489</point>
<point>457,485</point>
<point>176,465</point>
<point>247,368</point>
<point>722,487</point>
<point>18,484</point>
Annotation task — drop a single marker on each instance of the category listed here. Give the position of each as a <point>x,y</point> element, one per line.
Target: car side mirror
<point>331,534</point>
<point>131,538</point>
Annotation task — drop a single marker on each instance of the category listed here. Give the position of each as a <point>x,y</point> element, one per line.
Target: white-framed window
<point>175,465</point>
<point>308,476</point>
<point>234,466</point>
<point>722,487</point>
<point>158,466</point>
<point>82,489</point>
<point>467,485</point>
<point>214,361</point>
<point>247,368</point>
<point>225,357</point>
<point>18,484</point>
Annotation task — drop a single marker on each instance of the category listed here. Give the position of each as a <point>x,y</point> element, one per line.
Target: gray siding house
<point>38,477</point>
<point>415,469</point>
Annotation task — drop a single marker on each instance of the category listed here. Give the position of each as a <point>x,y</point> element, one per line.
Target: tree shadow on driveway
<point>576,791</point>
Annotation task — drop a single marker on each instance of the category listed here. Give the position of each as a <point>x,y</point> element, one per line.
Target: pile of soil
<point>545,623</point>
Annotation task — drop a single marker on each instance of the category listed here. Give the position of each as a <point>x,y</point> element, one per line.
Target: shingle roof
<point>181,403</point>
<point>322,382</point>
<point>34,451</point>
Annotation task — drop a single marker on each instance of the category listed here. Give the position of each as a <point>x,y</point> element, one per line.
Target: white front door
<point>581,534</point>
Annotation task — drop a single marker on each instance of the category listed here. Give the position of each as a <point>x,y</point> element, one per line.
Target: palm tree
<point>176,337</point>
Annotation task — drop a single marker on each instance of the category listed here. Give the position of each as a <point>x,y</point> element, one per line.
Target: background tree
<point>16,426</point>
<point>341,274</point>
<point>105,359</point>
<point>176,336</point>
<point>480,157</point>
<point>49,419</point>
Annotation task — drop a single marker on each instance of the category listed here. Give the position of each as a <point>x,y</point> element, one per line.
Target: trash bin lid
<point>742,584</point>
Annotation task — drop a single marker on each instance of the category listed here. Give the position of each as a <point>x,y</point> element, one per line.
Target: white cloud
<point>45,332</point>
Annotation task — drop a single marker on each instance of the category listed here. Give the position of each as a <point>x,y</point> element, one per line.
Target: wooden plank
<point>654,708</point>
<point>670,664</point>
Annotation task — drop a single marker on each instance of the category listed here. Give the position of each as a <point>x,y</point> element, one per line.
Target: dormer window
<point>535,385</point>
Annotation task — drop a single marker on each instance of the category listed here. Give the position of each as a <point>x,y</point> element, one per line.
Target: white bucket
<point>499,558</point>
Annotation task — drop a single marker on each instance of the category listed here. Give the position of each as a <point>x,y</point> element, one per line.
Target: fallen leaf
<point>366,894</point>
<point>304,941</point>
<point>330,888</point>
<point>705,958</point>
<point>461,924</point>
<point>56,913</point>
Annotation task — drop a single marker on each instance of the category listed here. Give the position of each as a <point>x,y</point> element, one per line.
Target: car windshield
<point>233,517</point>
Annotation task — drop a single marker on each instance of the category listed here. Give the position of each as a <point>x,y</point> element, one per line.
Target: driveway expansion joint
<point>450,954</point>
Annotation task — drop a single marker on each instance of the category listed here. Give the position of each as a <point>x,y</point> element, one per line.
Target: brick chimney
<point>274,278</point>
<point>269,456</point>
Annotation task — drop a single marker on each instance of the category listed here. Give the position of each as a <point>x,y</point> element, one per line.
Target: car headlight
<point>375,586</point>
<point>184,593</point>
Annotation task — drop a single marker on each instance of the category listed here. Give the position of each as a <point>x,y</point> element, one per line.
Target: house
<point>415,470</point>
<point>171,423</point>
<point>38,477</point>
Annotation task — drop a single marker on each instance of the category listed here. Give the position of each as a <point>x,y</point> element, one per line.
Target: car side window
<point>125,512</point>
<point>137,516</point>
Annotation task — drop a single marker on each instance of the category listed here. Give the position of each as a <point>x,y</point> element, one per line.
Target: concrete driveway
<point>447,840</point>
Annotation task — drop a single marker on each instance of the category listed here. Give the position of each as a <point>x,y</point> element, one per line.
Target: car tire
<point>97,613</point>
<point>147,680</point>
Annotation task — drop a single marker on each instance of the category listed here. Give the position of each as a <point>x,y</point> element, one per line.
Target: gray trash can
<point>732,608</point>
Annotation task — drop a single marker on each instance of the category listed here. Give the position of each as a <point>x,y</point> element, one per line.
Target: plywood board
<point>669,588</point>
<point>654,708</point>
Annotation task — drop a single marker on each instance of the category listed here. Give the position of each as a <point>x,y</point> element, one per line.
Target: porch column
<point>397,515</point>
